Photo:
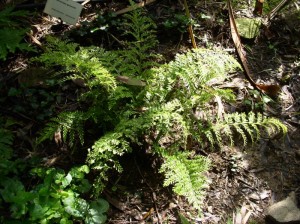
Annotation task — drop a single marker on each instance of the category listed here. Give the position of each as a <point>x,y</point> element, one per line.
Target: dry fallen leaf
<point>130,81</point>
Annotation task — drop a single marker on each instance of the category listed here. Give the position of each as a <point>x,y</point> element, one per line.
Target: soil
<point>242,179</point>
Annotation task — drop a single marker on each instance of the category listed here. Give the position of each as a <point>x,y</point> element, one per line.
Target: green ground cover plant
<point>56,198</point>
<point>137,102</point>
<point>11,32</point>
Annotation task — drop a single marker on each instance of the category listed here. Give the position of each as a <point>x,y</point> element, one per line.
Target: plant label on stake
<point>67,10</point>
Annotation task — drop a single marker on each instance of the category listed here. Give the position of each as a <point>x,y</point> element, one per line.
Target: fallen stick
<point>133,7</point>
<point>271,90</point>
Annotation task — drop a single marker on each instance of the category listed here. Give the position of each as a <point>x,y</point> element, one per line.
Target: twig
<point>85,2</point>
<point>279,7</point>
<point>270,90</point>
<point>133,7</point>
<point>238,44</point>
<point>190,28</point>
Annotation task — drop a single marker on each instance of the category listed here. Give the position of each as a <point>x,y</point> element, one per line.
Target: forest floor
<point>241,178</point>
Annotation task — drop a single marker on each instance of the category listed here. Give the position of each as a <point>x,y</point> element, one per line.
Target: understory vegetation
<point>133,101</point>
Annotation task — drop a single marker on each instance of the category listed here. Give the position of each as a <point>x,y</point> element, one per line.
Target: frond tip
<point>187,175</point>
<point>248,126</point>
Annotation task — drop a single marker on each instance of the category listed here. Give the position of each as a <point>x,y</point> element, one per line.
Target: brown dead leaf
<point>58,137</point>
<point>130,81</point>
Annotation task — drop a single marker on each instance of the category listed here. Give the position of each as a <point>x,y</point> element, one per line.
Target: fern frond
<point>71,124</point>
<point>93,65</point>
<point>273,126</point>
<point>186,175</point>
<point>187,77</point>
<point>248,126</point>
<point>104,155</point>
<point>137,54</point>
<point>9,17</point>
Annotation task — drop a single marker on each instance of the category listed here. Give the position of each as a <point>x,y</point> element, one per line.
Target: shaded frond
<point>137,54</point>
<point>88,64</point>
<point>6,141</point>
<point>104,156</point>
<point>70,124</point>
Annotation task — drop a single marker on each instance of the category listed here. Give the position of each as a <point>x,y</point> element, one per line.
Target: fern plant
<point>164,113</point>
<point>175,91</point>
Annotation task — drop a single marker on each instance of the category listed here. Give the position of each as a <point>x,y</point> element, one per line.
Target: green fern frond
<point>187,77</point>
<point>186,175</point>
<point>273,126</point>
<point>104,156</point>
<point>93,65</point>
<point>137,54</point>
<point>71,124</point>
<point>248,126</point>
<point>9,17</point>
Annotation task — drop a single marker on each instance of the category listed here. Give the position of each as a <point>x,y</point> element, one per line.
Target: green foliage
<point>87,64</point>
<point>57,199</point>
<point>9,17</point>
<point>11,32</point>
<point>174,92</point>
<point>69,123</point>
<point>246,125</point>
<point>6,139</point>
<point>172,110</point>
<point>37,103</point>
<point>141,30</point>
<point>186,175</point>
<point>179,21</point>
<point>7,164</point>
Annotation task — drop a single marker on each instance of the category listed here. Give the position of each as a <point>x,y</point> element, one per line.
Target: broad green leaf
<point>100,205</point>
<point>79,172</point>
<point>75,206</point>
<point>248,27</point>
<point>10,41</point>
<point>67,180</point>
<point>83,187</point>
<point>96,212</point>
<point>65,221</point>
<point>14,192</point>
<point>95,217</point>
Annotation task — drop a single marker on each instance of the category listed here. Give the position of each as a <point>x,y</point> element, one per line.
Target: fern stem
<point>190,28</point>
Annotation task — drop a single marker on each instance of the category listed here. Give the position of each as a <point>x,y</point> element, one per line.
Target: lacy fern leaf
<point>137,54</point>
<point>186,175</point>
<point>188,77</point>
<point>88,64</point>
<point>248,126</point>
<point>70,124</point>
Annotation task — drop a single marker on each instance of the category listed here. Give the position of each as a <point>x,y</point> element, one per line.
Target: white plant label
<point>67,10</point>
